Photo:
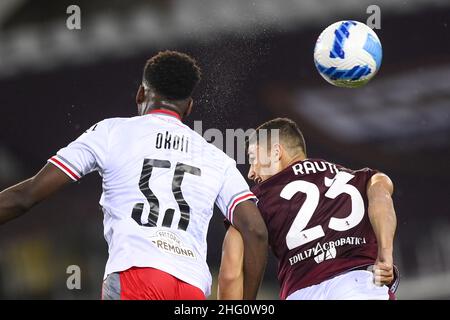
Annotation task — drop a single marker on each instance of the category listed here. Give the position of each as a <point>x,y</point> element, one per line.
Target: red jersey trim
<point>64,168</point>
<point>236,202</point>
<point>166,112</point>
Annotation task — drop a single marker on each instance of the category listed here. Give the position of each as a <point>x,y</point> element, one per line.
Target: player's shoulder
<point>101,127</point>
<point>211,148</point>
<point>109,123</point>
<point>367,171</point>
<point>364,171</point>
<point>345,168</point>
<point>226,159</point>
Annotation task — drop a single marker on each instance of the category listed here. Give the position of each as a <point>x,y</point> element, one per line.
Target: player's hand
<point>383,271</point>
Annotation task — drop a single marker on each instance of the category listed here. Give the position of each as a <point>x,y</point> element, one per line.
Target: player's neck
<point>291,160</point>
<point>169,110</point>
<point>157,101</point>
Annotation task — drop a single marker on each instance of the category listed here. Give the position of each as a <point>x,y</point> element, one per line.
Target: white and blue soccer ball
<point>348,54</point>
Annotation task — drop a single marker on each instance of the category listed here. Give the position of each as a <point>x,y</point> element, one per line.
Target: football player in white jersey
<point>160,183</point>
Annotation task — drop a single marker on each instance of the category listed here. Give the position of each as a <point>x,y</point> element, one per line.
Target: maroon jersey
<point>316,216</point>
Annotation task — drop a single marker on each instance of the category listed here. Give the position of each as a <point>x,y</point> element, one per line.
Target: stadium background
<point>257,64</point>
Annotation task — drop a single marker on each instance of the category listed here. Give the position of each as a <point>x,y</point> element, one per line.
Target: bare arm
<point>248,220</point>
<point>384,222</point>
<point>20,198</point>
<point>231,273</point>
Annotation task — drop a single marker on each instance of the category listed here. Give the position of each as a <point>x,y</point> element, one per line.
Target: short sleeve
<point>234,190</point>
<point>86,154</point>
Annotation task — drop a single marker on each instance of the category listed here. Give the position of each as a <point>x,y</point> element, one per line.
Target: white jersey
<point>160,182</point>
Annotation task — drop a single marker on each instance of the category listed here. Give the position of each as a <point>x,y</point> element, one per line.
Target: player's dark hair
<point>172,74</point>
<point>288,131</point>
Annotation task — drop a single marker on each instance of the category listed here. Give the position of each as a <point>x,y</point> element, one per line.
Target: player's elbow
<point>262,234</point>
<point>15,201</point>
<point>21,196</point>
<point>230,275</point>
<point>258,231</point>
<point>249,222</point>
<point>230,282</point>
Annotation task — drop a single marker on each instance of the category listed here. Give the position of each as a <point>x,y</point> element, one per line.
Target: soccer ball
<point>348,54</point>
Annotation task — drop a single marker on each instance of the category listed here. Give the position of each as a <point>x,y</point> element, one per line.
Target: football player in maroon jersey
<point>331,228</point>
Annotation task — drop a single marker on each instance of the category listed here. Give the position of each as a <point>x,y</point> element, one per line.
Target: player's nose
<point>251,173</point>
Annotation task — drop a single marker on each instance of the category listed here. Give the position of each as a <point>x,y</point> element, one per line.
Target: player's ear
<point>140,95</point>
<point>276,152</point>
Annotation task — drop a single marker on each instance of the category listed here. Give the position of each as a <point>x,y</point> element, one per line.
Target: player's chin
<point>257,180</point>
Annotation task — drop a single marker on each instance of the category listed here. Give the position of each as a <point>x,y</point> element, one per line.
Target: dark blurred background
<point>257,64</point>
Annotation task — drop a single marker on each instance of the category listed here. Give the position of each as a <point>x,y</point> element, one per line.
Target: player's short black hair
<point>289,133</point>
<point>172,74</point>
